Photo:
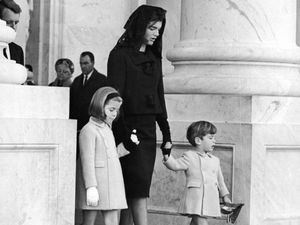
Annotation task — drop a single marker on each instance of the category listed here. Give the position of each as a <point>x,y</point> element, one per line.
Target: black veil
<point>136,25</point>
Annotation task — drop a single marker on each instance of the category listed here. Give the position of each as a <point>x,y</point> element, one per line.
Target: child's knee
<point>110,217</point>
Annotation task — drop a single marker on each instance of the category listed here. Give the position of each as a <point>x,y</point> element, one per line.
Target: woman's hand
<point>166,148</point>
<point>134,137</point>
<point>92,196</point>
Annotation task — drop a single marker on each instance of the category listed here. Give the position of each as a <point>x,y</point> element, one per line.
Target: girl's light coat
<point>100,166</point>
<point>204,182</point>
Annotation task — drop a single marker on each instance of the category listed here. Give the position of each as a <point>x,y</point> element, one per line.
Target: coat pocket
<point>194,183</point>
<point>99,163</point>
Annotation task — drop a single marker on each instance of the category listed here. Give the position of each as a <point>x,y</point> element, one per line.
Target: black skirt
<point>138,166</point>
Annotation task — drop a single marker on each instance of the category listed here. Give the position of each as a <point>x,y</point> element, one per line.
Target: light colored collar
<point>203,154</point>
<point>97,122</point>
<point>89,75</point>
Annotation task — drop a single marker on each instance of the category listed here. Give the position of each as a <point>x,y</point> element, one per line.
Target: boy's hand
<point>92,196</point>
<point>166,148</point>
<point>227,199</point>
<point>165,157</point>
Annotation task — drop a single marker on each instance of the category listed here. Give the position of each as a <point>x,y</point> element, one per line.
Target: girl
<point>134,69</point>
<point>100,186</point>
<point>204,179</point>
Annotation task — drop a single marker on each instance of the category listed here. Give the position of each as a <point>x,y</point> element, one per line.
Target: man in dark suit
<point>83,88</point>
<point>10,12</point>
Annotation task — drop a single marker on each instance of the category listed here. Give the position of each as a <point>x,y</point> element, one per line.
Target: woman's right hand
<point>92,196</point>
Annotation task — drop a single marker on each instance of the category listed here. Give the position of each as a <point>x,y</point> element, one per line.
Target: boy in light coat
<point>204,179</point>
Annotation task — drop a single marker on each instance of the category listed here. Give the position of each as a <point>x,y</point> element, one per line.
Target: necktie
<point>85,80</point>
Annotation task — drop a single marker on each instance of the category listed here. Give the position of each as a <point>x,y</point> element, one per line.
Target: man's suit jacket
<point>16,53</point>
<point>81,96</point>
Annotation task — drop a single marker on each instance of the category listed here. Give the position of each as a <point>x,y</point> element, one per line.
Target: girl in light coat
<point>100,181</point>
<point>204,179</point>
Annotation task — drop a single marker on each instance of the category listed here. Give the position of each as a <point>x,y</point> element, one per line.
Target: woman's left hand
<point>166,148</point>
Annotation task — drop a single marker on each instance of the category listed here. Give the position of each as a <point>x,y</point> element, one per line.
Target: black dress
<point>138,78</point>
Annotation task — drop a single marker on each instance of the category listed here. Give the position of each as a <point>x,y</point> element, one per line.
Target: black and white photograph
<point>149,112</point>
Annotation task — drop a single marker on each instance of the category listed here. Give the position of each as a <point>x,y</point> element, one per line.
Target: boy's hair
<point>100,99</point>
<point>199,129</point>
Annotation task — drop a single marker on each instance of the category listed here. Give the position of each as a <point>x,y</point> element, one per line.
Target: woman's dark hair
<point>199,129</point>
<point>136,25</point>
<point>66,62</point>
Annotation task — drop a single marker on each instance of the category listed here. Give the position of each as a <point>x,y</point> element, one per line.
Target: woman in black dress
<point>134,69</point>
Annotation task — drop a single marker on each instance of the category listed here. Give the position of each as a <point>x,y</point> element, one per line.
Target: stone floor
<point>152,218</point>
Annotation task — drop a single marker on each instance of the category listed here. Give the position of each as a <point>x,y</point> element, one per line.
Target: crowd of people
<point>120,111</point>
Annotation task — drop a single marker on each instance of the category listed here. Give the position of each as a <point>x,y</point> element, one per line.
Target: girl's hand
<point>227,199</point>
<point>92,196</point>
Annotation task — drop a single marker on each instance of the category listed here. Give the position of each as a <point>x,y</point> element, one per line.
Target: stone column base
<point>229,68</point>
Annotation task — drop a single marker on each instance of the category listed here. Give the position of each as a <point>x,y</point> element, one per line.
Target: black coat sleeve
<point>162,118</point>
<point>116,71</point>
<point>116,76</point>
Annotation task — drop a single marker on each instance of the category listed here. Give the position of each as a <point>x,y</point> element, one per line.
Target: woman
<point>134,69</point>
<point>64,69</point>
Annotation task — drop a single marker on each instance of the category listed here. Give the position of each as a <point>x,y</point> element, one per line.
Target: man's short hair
<point>10,4</point>
<point>89,54</point>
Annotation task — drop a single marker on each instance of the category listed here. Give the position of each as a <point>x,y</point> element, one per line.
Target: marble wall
<point>65,29</point>
<point>88,25</point>
<point>37,156</point>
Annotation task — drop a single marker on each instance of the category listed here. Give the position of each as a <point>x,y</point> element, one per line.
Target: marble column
<point>10,71</point>
<point>243,47</point>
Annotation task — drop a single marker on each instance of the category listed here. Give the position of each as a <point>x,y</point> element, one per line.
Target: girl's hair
<point>100,99</point>
<point>66,62</point>
<point>136,26</point>
<point>199,129</point>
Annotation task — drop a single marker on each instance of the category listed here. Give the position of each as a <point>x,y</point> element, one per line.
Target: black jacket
<point>138,78</point>
<point>81,96</point>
